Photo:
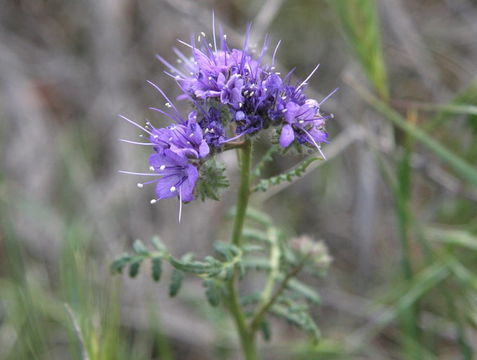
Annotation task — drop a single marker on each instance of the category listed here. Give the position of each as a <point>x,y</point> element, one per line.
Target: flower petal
<point>287,136</point>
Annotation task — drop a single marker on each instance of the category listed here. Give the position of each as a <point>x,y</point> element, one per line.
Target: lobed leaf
<point>212,292</point>
<point>176,282</point>
<point>299,170</point>
<point>156,268</point>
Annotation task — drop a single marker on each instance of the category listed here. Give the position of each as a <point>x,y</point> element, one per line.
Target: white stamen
<point>172,189</point>
<point>210,45</point>
<point>284,110</point>
<point>153,201</point>
<point>308,77</point>
<point>191,135</point>
<point>240,105</point>
<point>151,168</point>
<point>202,33</point>
<point>162,167</point>
<point>225,36</point>
<point>180,204</point>
<point>168,104</point>
<point>139,185</point>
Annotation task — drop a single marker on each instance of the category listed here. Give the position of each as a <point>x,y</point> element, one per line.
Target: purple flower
<point>185,139</point>
<point>303,123</point>
<point>231,92</point>
<point>211,123</point>
<point>178,176</point>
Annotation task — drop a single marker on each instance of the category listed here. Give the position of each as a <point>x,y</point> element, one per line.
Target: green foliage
<point>264,248</point>
<point>360,22</point>
<point>307,292</point>
<point>212,180</point>
<point>457,163</point>
<point>298,171</point>
<point>214,271</point>
<point>213,291</point>
<point>298,315</point>
<point>176,282</point>
<point>156,268</point>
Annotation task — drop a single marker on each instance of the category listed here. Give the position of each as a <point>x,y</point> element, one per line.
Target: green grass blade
<point>460,166</point>
<point>360,22</point>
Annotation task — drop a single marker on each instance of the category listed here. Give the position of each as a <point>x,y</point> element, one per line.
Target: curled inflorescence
<point>234,96</point>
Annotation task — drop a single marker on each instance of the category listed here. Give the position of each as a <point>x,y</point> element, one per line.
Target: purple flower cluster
<point>234,95</point>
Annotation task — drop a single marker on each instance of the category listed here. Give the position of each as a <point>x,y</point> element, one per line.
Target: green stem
<point>245,159</point>
<point>247,340</point>
<point>269,303</point>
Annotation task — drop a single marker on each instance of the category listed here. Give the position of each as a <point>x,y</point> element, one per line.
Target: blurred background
<point>396,202</point>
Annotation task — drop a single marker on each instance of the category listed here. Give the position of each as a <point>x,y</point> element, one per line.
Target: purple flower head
<point>185,139</point>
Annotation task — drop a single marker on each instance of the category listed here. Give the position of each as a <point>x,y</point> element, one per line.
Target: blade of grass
<point>461,167</point>
<point>360,22</point>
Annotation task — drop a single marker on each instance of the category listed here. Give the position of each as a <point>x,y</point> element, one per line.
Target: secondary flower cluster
<point>233,95</point>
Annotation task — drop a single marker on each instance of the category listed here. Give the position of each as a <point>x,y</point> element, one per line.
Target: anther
<point>172,189</point>
<point>162,167</point>
<point>139,185</point>
<point>153,201</point>
<point>151,168</point>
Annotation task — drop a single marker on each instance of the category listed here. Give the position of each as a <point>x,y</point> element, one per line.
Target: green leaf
<point>304,290</point>
<point>298,316</point>
<point>360,22</point>
<point>258,216</point>
<point>118,264</point>
<point>253,234</point>
<point>156,268</point>
<point>134,267</point>
<point>197,267</point>
<point>257,263</point>
<point>226,250</point>
<point>453,237</point>
<point>212,179</point>
<point>299,170</point>
<point>212,292</point>
<point>176,282</point>
<point>265,330</point>
<point>139,248</point>
<point>158,244</point>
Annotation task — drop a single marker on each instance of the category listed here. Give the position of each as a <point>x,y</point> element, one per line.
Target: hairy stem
<point>247,340</point>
